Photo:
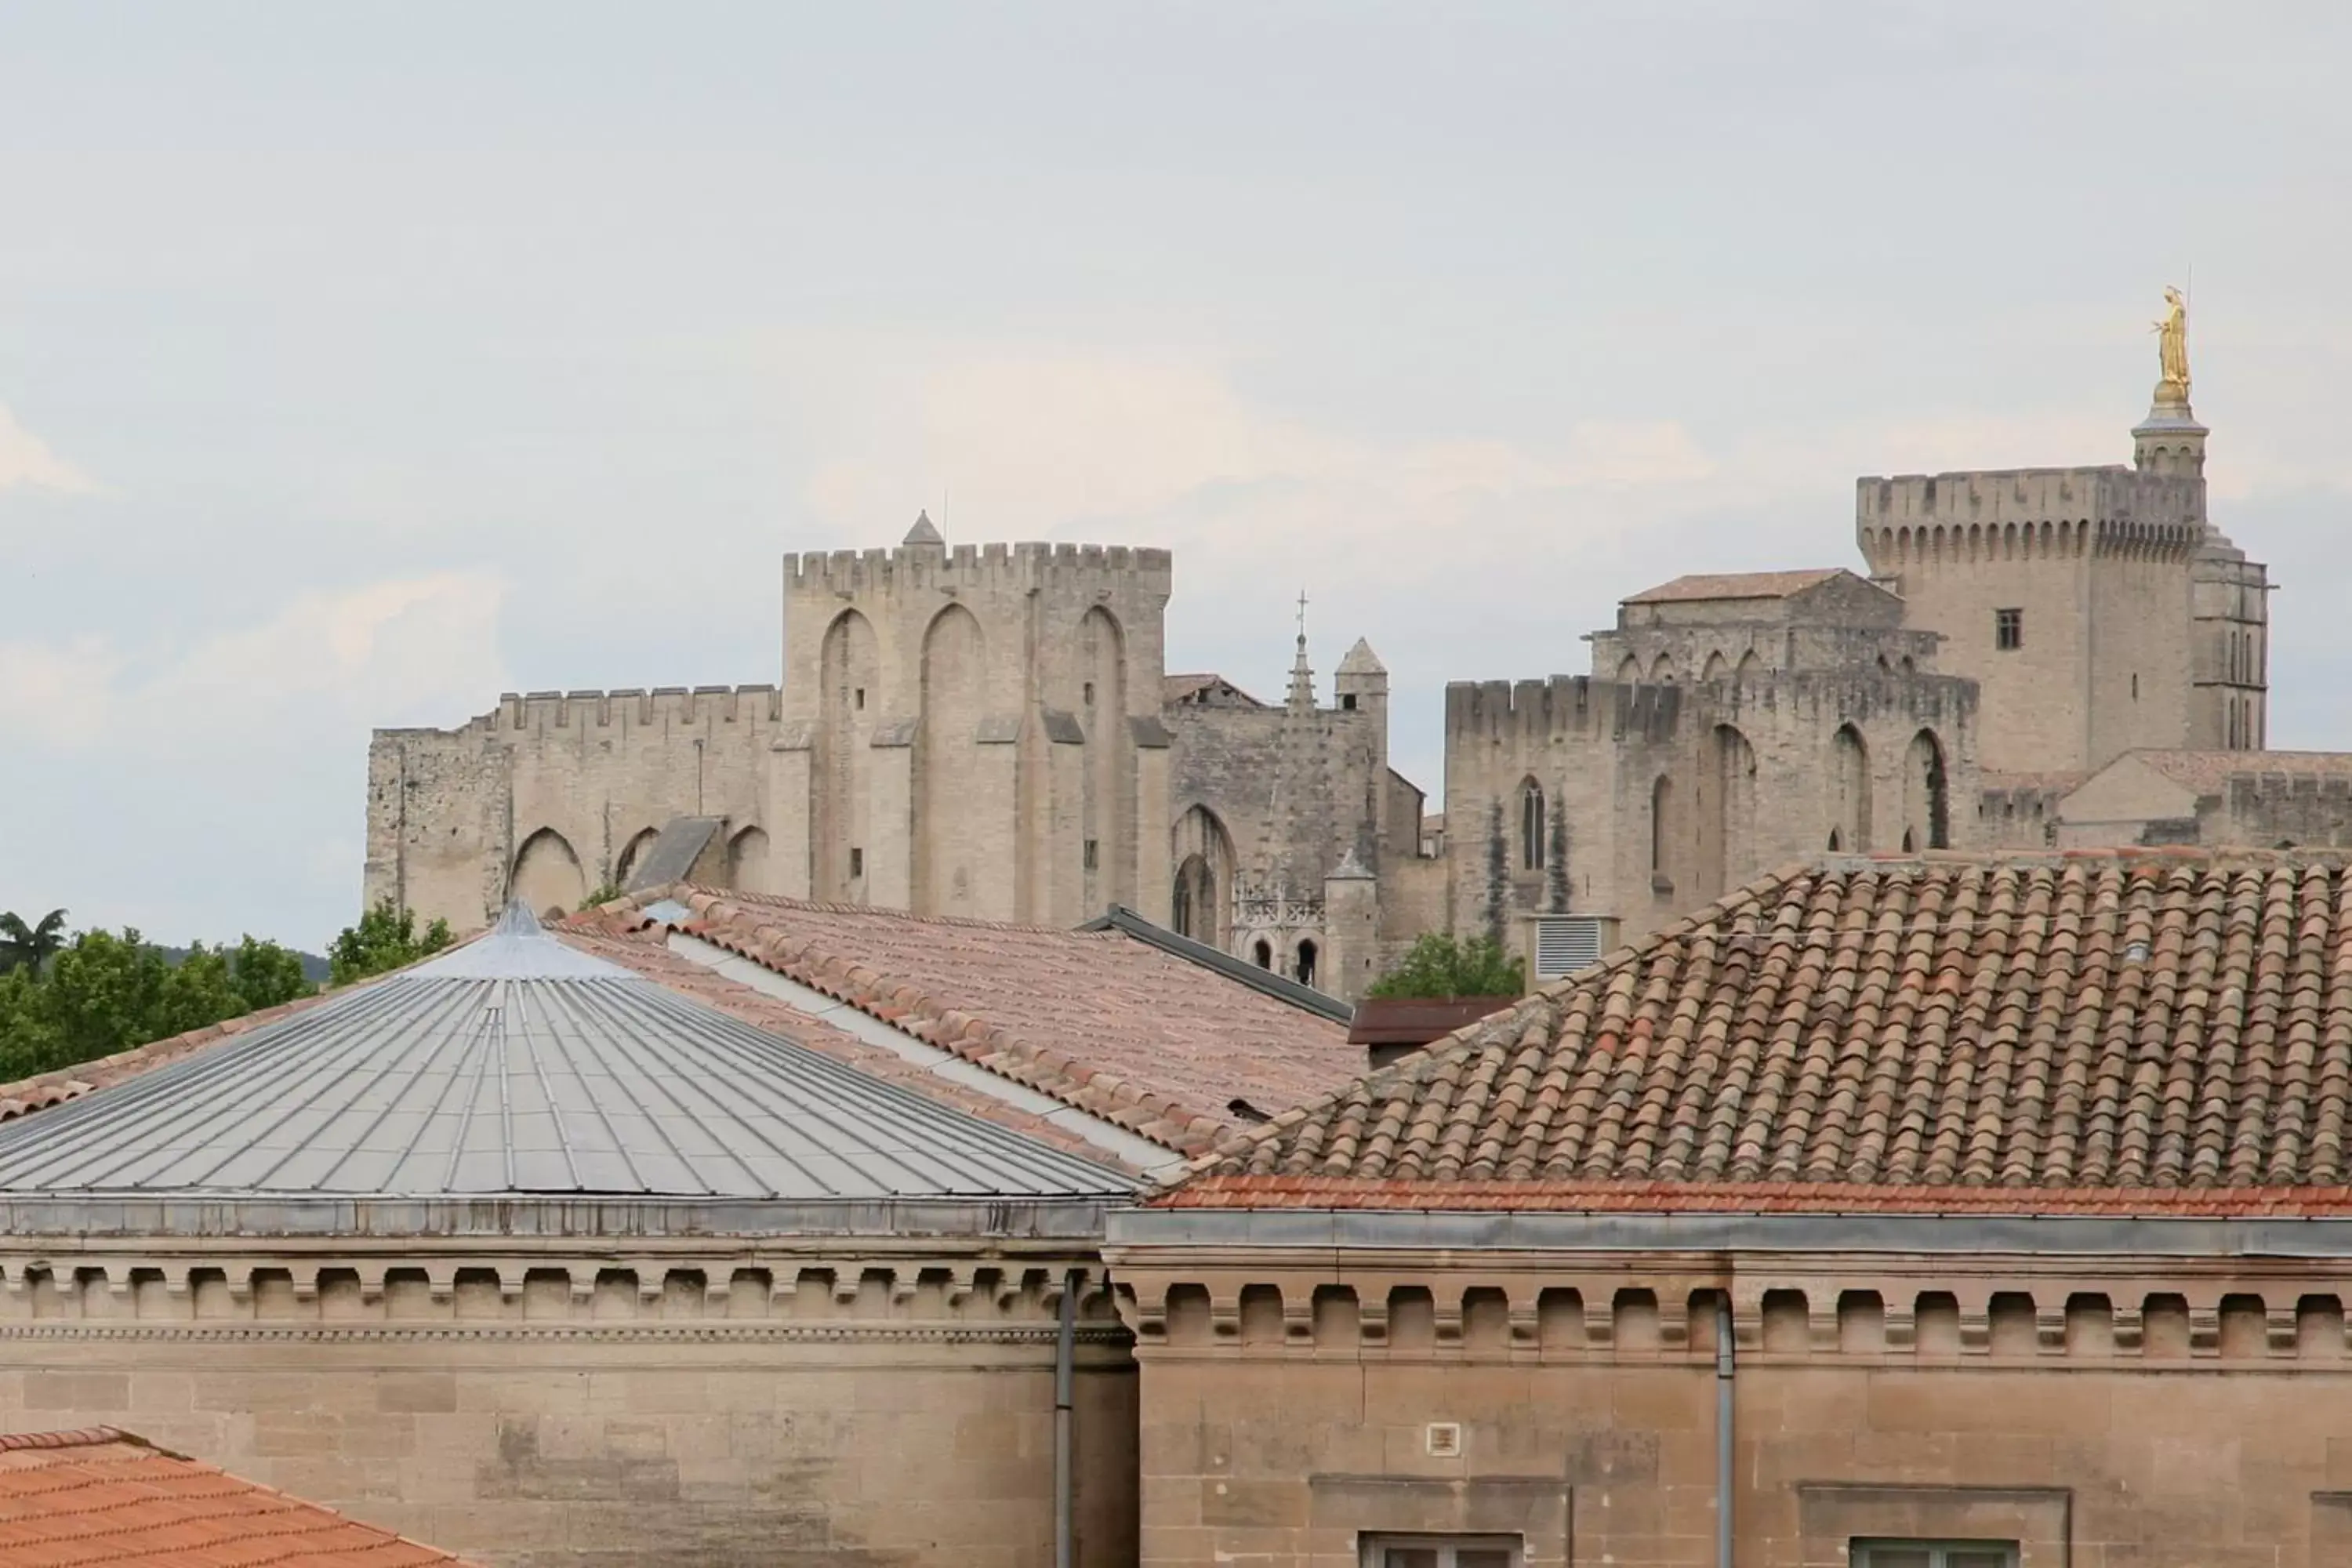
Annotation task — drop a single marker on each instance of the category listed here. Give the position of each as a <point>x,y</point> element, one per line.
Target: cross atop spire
<point>1302,616</point>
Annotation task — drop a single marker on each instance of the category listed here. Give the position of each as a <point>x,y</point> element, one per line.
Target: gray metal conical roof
<point>517,1065</point>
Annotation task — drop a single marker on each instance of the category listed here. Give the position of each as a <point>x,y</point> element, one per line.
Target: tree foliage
<point>385,938</point>
<point>104,992</point>
<point>1439,967</point>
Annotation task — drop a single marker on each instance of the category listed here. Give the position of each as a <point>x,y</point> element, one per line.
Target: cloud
<point>57,697</point>
<point>26,460</point>
<point>389,652</point>
<point>1142,449</point>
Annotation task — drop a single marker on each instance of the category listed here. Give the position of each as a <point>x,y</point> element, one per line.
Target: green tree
<point>385,939</point>
<point>1438,967</point>
<point>105,991</point>
<point>604,895</point>
<point>29,947</point>
<point>267,975</point>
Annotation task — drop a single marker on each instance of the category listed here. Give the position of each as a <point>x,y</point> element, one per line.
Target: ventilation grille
<point>1566,944</point>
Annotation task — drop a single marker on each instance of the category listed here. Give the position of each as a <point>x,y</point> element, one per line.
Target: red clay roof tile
<point>102,1496</point>
<point>2121,1031</point>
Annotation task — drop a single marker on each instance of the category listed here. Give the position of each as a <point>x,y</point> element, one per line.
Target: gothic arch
<point>632,853</point>
<point>1926,795</point>
<point>1203,855</point>
<point>747,862</point>
<point>1629,670</point>
<point>1849,790</point>
<point>955,699</point>
<point>1716,668</point>
<point>547,874</point>
<point>849,701</point>
<point>1302,966</point>
<point>1751,668</point>
<point>1095,692</point>
<point>1661,669</point>
<point>1727,816</point>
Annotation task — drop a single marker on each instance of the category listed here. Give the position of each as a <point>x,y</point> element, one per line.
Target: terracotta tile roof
<point>642,951</point>
<point>2131,1029</point>
<point>1175,688</point>
<point>1735,585</point>
<point>2210,772</point>
<point>1094,1019</point>
<point>102,1496</point>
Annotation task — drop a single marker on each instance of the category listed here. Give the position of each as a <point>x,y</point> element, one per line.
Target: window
<point>2009,630</point>
<point>1348,702</point>
<point>1089,694</point>
<point>1305,969</point>
<point>1446,1552</point>
<point>1935,1554</point>
<point>860,698</point>
<point>857,862</point>
<point>1264,954</point>
<point>1531,825</point>
<point>1093,853</point>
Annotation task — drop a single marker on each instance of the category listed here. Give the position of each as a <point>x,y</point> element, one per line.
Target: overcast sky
<point>360,361</point>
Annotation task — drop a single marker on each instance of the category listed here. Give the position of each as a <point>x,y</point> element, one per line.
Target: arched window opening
<point>1203,855</point>
<point>1531,826</point>
<point>1834,841</point>
<point>1263,954</point>
<point>1849,805</point>
<point>1662,809</point>
<point>1305,969</point>
<point>1908,847</point>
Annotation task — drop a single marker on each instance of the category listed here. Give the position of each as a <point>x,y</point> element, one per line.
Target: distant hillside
<point>314,968</point>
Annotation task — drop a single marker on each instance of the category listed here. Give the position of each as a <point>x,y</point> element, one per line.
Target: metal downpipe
<point>1065,1385</point>
<point>1725,1371</point>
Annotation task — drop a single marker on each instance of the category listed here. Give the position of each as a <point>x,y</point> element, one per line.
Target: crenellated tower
<point>974,732</point>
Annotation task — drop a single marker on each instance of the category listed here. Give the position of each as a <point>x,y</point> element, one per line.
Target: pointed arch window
<point>1532,824</point>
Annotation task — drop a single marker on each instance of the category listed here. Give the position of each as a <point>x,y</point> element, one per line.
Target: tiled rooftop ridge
<point>1124,1081</point>
<point>2107,1022</point>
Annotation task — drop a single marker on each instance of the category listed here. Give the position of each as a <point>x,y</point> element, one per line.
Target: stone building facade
<point>2019,631</point>
<point>1836,1217</point>
<point>993,732</point>
<point>983,731</point>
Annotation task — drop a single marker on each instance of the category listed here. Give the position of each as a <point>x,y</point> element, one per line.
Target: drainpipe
<point>1724,1373</point>
<point>1065,1379</point>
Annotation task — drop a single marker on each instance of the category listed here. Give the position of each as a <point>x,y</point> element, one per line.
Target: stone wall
<point>578,782</point>
<point>1658,798</point>
<point>2095,560</point>
<point>2127,1414</point>
<point>714,1404</point>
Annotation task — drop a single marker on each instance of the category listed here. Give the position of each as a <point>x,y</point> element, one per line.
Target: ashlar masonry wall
<point>1659,797</point>
<point>2126,1414</point>
<point>529,1407</point>
<point>560,792</point>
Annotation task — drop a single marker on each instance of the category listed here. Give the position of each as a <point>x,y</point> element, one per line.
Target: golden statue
<point>2172,350</point>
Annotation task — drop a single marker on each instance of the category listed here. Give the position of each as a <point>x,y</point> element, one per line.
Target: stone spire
<point>925,532</point>
<point>1302,677</point>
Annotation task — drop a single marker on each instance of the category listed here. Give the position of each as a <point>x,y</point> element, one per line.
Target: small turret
<point>1362,680</point>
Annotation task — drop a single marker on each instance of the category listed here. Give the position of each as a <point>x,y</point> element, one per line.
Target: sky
<point>359,363</point>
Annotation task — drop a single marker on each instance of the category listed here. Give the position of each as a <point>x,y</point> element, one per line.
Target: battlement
<point>1021,568</point>
<point>628,706</point>
<point>1577,704</point>
<point>2106,492</point>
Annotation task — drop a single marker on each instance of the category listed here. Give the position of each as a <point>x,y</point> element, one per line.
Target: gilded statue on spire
<point>2172,350</point>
